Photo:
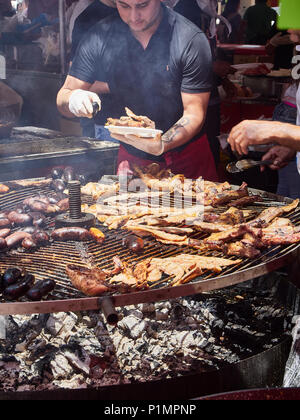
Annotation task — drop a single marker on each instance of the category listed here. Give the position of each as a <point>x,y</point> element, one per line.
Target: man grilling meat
<point>153,61</point>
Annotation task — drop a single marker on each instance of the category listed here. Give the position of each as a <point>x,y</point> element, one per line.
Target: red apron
<point>193,161</point>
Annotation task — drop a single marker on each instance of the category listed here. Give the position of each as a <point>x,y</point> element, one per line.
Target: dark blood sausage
<point>11,276</point>
<point>41,289</point>
<point>16,290</point>
<point>4,222</point>
<point>19,218</point>
<point>4,232</point>
<point>71,234</point>
<point>133,243</point>
<point>16,237</point>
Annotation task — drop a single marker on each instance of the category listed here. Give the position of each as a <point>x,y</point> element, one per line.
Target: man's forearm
<point>63,102</point>
<point>287,135</point>
<point>181,132</point>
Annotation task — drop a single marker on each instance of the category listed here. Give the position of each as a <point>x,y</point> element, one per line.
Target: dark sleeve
<point>86,64</point>
<point>197,65</point>
<point>77,34</point>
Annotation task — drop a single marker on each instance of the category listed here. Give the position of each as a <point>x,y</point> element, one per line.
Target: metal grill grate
<point>50,262</point>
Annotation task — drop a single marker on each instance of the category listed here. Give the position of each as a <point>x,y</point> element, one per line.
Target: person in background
<point>231,13</point>
<point>221,70</point>
<point>158,64</point>
<point>6,9</point>
<point>38,7</point>
<point>281,48</point>
<point>96,11</point>
<point>260,21</point>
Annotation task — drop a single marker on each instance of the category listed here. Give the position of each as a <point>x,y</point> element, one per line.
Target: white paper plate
<point>137,131</point>
<point>241,67</point>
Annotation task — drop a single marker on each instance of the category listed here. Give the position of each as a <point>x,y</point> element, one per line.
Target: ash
<point>152,341</point>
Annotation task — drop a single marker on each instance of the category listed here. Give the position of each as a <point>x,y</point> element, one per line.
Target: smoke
<point>2,67</point>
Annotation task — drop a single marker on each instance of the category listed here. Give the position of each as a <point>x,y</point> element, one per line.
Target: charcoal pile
<point>151,341</point>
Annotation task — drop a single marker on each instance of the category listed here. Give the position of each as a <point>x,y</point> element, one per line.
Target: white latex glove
<point>280,39</point>
<point>80,103</point>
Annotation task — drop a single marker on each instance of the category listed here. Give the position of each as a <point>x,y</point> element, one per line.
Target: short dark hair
<point>261,1</point>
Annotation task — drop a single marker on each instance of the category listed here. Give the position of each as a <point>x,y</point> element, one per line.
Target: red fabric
<point>193,161</point>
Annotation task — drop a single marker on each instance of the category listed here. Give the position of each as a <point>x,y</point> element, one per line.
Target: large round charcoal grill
<point>50,262</point>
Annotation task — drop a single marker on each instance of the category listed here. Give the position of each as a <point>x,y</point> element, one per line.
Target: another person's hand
<point>280,39</point>
<point>81,103</point>
<point>153,146</point>
<point>223,68</point>
<point>250,132</point>
<point>229,88</point>
<point>280,155</point>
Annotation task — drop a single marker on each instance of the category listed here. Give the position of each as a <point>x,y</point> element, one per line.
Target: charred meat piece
<point>232,216</point>
<point>245,201</point>
<point>230,195</point>
<point>90,281</point>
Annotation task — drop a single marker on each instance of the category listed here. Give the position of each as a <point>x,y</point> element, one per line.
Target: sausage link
<point>19,218</point>
<point>16,237</point>
<point>71,234</point>
<point>4,232</point>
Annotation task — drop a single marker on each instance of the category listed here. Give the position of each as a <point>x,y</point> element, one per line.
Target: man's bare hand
<point>250,132</point>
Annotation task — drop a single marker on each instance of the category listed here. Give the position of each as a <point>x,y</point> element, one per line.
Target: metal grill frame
<point>272,259</point>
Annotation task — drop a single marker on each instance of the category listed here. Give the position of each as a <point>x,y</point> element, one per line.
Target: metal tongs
<point>245,164</point>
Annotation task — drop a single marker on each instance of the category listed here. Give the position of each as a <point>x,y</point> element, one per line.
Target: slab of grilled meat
<point>131,120</point>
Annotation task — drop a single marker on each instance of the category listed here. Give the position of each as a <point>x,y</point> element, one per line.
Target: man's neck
<point>144,36</point>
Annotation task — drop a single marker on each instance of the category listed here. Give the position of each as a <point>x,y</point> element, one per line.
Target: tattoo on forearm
<point>170,135</point>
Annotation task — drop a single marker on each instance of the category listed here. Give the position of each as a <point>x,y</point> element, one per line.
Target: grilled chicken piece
<point>183,267</point>
<point>267,215</point>
<point>131,120</point>
<point>97,190</point>
<point>161,235</point>
<point>232,216</point>
<point>227,235</point>
<point>280,232</point>
<point>241,249</point>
